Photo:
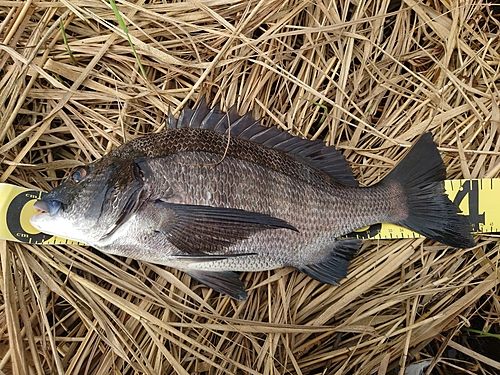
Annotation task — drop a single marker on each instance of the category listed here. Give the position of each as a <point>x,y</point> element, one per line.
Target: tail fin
<point>430,211</point>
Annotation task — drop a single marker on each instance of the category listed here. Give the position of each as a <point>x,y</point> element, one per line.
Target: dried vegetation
<point>366,76</point>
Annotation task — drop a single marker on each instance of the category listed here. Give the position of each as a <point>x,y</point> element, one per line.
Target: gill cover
<point>123,194</point>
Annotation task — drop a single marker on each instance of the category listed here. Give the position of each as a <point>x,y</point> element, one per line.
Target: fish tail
<point>428,209</point>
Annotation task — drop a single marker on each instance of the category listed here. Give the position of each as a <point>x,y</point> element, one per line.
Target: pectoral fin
<point>198,230</point>
<point>209,258</point>
<point>225,282</point>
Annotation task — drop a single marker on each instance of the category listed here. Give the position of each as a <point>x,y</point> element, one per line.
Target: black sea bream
<point>218,193</point>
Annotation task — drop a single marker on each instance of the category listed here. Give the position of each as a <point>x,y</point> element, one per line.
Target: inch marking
<point>477,199</point>
<point>470,189</point>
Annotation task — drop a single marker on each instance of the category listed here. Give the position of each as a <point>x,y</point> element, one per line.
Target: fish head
<point>92,202</point>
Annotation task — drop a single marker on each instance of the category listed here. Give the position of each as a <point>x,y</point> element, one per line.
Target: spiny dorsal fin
<point>315,153</point>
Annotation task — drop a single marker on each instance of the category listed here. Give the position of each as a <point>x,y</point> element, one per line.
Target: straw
<point>368,77</point>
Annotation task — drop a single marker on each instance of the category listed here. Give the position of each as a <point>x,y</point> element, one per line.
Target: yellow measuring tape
<point>16,209</point>
<point>478,199</point>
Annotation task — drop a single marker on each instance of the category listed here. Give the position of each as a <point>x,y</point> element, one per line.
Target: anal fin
<point>334,266</point>
<point>225,282</point>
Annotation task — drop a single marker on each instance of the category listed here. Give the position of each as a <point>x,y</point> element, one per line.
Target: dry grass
<point>367,76</point>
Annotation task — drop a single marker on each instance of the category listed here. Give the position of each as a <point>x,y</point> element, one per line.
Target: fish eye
<point>78,175</point>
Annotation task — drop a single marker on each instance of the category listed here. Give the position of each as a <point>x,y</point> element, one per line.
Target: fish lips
<point>48,206</point>
<point>54,216</point>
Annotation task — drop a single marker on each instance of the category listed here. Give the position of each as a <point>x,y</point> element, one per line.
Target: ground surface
<point>366,76</point>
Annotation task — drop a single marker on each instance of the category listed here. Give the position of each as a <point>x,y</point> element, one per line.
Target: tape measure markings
<point>478,199</point>
<point>15,205</point>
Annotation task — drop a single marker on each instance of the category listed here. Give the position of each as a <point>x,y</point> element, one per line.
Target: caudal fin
<point>430,212</point>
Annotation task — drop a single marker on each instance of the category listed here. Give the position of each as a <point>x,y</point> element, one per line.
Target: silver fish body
<point>218,193</point>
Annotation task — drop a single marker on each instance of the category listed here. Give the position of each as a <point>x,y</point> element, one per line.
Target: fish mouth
<point>51,207</point>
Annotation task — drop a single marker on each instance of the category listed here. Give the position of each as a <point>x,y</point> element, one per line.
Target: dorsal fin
<point>315,153</point>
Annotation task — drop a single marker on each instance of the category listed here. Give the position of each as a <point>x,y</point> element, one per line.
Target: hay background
<point>366,76</point>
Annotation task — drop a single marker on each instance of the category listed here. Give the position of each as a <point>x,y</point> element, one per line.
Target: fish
<point>216,193</point>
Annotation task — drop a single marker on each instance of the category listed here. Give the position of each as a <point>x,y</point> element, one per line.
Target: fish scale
<point>244,193</point>
<point>218,193</point>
